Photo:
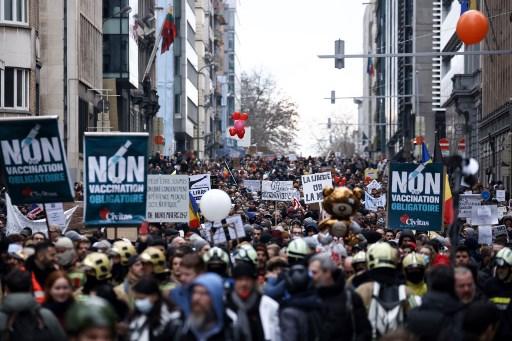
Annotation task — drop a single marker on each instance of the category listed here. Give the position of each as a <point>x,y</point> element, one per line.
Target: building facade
<point>71,69</point>
<point>20,59</point>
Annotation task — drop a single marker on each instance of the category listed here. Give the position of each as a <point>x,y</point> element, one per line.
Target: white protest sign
<point>484,215</point>
<point>485,235</point>
<point>292,157</point>
<point>500,195</point>
<point>502,211</point>
<point>55,214</point>
<point>466,202</point>
<point>278,191</point>
<point>253,185</point>
<point>199,185</point>
<point>235,227</point>
<point>372,203</point>
<point>219,237</point>
<point>313,186</point>
<point>167,199</point>
<point>373,185</point>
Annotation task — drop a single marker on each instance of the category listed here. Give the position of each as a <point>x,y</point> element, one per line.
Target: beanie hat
<point>64,243</point>
<point>74,236</point>
<point>132,260</point>
<point>198,243</point>
<point>244,269</point>
<point>441,260</point>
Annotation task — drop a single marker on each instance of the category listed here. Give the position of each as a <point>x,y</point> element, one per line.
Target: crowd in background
<point>284,280</point>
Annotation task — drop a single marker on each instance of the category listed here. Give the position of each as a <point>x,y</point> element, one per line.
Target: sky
<point>283,39</point>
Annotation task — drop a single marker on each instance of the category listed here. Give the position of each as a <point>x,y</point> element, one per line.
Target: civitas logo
<point>406,220</point>
<point>105,214</point>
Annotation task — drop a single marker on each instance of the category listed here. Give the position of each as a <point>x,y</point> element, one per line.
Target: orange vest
<point>38,291</point>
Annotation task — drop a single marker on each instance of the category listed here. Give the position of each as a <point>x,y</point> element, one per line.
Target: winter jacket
<point>439,315</point>
<point>224,328</point>
<point>294,316</point>
<point>20,303</point>
<point>337,323</point>
<point>500,294</point>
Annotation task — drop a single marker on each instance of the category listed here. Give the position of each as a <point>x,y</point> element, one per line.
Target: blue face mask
<point>144,305</point>
<point>426,259</point>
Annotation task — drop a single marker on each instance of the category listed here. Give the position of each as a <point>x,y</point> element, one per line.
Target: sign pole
<point>47,222</point>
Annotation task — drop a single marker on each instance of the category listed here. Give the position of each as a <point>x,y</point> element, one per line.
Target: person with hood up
<point>207,320</point>
<point>124,290</point>
<point>256,314</point>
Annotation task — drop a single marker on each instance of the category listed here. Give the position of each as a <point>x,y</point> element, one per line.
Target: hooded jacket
<point>24,303</point>
<point>224,327</point>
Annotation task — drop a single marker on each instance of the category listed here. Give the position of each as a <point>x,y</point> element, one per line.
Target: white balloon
<point>215,205</point>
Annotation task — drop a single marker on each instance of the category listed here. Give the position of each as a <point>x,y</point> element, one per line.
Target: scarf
<point>242,308</point>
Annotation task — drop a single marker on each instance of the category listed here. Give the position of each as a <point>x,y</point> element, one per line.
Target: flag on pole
<point>449,212</point>
<point>425,155</point>
<point>169,31</point>
<point>194,221</point>
<point>466,5</point>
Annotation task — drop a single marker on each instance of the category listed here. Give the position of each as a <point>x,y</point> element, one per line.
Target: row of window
<point>14,88</point>
<point>14,11</point>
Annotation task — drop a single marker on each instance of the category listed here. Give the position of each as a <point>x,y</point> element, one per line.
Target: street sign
<point>486,195</point>
<point>445,146</point>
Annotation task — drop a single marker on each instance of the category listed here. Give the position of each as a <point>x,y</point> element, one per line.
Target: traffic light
<point>333,97</point>
<point>339,49</point>
<point>329,124</point>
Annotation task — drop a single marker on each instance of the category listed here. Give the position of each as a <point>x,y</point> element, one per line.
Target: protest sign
<point>500,195</point>
<point>313,186</point>
<point>485,235</point>
<point>115,167</point>
<point>372,203</point>
<point>372,173</point>
<point>199,185</point>
<point>253,185</point>
<point>167,199</point>
<point>292,157</point>
<point>219,237</point>
<point>484,215</point>
<point>415,198</point>
<point>34,160</point>
<point>55,214</point>
<point>373,185</point>
<point>467,202</point>
<point>235,227</point>
<point>502,211</point>
<point>499,231</point>
<point>278,191</point>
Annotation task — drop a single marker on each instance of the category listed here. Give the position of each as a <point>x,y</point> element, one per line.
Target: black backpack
<point>25,326</point>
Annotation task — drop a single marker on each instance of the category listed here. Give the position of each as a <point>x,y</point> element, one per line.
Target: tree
<point>338,139</point>
<point>272,116</point>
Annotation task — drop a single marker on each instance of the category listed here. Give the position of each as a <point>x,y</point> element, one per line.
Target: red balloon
<point>241,133</point>
<point>235,116</point>
<point>472,27</point>
<point>232,131</point>
<point>239,124</point>
<point>244,116</point>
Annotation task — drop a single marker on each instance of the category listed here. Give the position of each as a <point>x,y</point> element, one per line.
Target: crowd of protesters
<point>282,281</point>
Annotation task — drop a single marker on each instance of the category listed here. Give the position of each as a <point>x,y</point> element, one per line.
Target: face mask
<point>426,259</point>
<point>144,305</point>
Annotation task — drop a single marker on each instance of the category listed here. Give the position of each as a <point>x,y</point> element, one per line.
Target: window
<point>15,11</point>
<point>14,88</point>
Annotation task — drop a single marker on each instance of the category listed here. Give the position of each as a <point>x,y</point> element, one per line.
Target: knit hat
<point>244,269</point>
<point>64,243</point>
<point>441,260</point>
<point>197,242</point>
<point>74,236</point>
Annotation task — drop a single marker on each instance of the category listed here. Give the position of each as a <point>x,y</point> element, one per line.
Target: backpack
<point>25,326</point>
<point>387,308</point>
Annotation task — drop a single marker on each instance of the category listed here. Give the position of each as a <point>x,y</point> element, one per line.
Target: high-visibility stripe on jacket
<point>37,289</point>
